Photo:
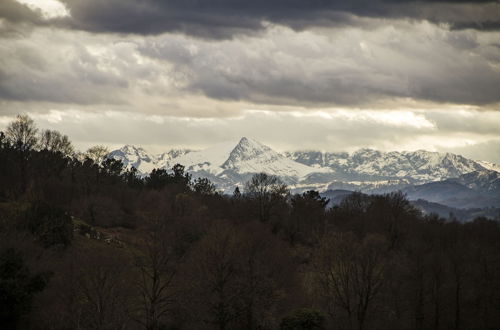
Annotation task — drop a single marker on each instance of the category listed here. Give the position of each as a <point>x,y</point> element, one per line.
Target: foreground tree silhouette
<point>266,190</point>
<point>216,288</point>
<point>158,266</point>
<point>350,274</point>
<point>51,225</point>
<point>304,319</point>
<point>56,142</point>
<point>21,134</point>
<point>96,153</point>
<point>237,277</point>
<point>204,186</point>
<point>307,215</point>
<point>17,288</point>
<point>157,179</point>
<point>104,289</point>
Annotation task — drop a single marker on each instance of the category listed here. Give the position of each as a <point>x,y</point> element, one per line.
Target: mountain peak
<point>244,139</point>
<point>132,156</point>
<point>245,150</point>
<point>129,147</point>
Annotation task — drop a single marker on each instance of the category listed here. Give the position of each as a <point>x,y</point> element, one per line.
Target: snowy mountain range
<point>227,164</point>
<point>232,163</point>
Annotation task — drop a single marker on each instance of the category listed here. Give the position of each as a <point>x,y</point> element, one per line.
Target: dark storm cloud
<point>14,18</point>
<point>95,89</point>
<point>353,68</point>
<point>33,72</point>
<point>225,18</point>
<point>13,11</point>
<point>376,69</point>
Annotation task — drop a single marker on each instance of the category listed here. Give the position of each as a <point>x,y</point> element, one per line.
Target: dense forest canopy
<point>88,244</point>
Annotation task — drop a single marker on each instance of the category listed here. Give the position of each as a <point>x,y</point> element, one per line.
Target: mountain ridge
<point>232,163</point>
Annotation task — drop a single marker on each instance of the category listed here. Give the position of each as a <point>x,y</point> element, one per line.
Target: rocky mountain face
<point>372,165</point>
<point>483,181</point>
<point>135,157</point>
<point>421,174</point>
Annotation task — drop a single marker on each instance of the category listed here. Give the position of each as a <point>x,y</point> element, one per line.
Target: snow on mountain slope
<point>227,164</point>
<point>132,156</point>
<point>234,162</point>
<point>250,156</point>
<point>209,160</point>
<point>367,164</point>
<point>245,156</point>
<point>433,165</point>
<point>166,159</point>
<point>489,166</point>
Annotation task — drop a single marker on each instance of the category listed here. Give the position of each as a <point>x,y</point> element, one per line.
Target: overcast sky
<point>331,75</point>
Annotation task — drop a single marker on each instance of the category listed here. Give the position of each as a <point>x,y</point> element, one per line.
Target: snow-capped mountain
<point>371,165</point>
<point>165,159</point>
<point>490,166</point>
<point>135,157</point>
<point>250,156</point>
<point>227,164</point>
<point>144,162</point>
<point>234,162</point>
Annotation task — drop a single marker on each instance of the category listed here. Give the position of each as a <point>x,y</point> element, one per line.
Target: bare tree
<point>266,190</point>
<point>102,285</point>
<point>215,283</point>
<point>21,133</point>
<point>265,271</point>
<point>56,142</point>
<point>97,153</point>
<point>237,277</point>
<point>350,275</point>
<point>158,267</point>
<point>437,279</point>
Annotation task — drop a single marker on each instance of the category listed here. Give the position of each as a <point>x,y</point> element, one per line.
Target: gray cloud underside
<point>220,19</point>
<point>14,12</point>
<point>349,67</point>
<point>224,18</point>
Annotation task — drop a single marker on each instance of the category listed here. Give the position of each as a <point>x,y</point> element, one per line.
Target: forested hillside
<point>86,244</point>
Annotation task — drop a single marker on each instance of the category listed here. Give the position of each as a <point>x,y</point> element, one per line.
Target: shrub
<point>17,288</point>
<point>304,319</point>
<point>51,225</point>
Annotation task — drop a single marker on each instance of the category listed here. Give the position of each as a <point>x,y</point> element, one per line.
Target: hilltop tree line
<point>88,244</point>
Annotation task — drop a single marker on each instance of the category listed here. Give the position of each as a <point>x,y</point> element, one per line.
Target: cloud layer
<point>226,18</point>
<point>386,74</point>
<point>387,67</point>
<point>220,19</point>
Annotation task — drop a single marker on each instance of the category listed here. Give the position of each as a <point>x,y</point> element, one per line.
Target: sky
<point>330,75</point>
